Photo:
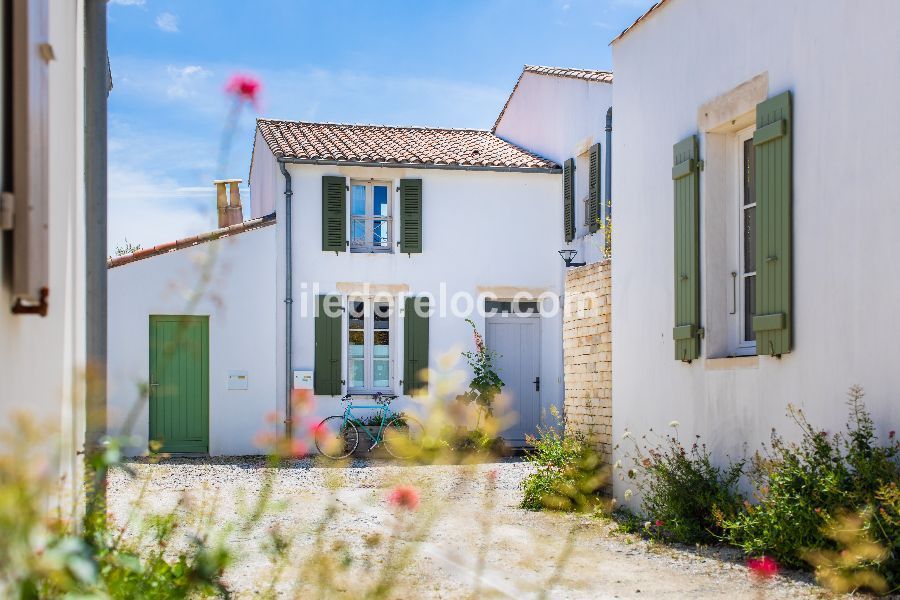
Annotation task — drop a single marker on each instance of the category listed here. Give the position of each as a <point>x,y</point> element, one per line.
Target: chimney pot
<point>230,210</point>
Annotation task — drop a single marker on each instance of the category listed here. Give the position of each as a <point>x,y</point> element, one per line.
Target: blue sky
<point>443,63</point>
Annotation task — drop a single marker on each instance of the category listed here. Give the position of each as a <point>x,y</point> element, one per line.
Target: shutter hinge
<point>700,164</point>
<point>7,211</point>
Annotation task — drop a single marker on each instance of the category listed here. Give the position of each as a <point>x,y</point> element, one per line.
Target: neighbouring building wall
<point>587,350</point>
<point>836,61</point>
<point>263,180</point>
<point>561,118</point>
<point>42,359</point>
<point>496,231</point>
<point>231,280</point>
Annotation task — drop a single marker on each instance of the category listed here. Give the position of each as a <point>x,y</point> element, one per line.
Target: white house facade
<point>566,115</point>
<point>755,255</point>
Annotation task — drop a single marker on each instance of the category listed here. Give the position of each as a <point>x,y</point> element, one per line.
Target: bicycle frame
<point>386,414</point>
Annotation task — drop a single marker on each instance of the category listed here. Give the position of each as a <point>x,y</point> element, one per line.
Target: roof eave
<point>399,165</point>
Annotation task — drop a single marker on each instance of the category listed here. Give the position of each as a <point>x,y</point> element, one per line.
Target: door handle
<point>537,384</point>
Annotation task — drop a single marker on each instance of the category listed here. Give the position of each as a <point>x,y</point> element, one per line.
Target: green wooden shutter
<point>687,250</point>
<point>334,213</point>
<point>772,141</point>
<point>569,199</point>
<point>415,347</point>
<point>411,216</point>
<point>594,212</point>
<point>327,362</point>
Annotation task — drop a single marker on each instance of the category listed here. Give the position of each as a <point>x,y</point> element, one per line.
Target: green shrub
<point>568,473</point>
<point>804,488</point>
<point>682,490</point>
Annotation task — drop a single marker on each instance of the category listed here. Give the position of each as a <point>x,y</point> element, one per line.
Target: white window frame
<point>370,217</point>
<point>369,344</point>
<point>744,346</point>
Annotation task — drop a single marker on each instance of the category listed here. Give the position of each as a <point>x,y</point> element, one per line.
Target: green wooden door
<point>179,382</point>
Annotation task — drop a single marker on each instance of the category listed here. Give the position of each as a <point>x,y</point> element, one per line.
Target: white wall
<point>42,358</point>
<point>262,180</point>
<point>233,281</point>
<point>479,229</point>
<point>560,118</point>
<point>836,60</point>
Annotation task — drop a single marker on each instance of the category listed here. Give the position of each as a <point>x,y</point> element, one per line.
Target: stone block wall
<point>587,354</point>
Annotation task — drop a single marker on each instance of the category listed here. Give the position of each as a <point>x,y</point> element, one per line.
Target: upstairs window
<point>746,214</point>
<point>369,355</point>
<point>370,216</point>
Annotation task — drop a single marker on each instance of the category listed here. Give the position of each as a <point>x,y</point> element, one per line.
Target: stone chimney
<point>228,203</point>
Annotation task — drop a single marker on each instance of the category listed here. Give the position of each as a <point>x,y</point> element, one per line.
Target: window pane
<point>750,240</point>
<point>357,314</point>
<point>382,315</point>
<point>381,200</point>
<point>382,344</point>
<point>380,231</point>
<point>749,307</point>
<point>358,200</point>
<point>357,373</point>
<point>749,172</point>
<point>381,373</point>
<point>357,232</point>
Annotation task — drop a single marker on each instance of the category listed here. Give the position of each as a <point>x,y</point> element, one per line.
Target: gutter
<point>609,162</point>
<point>393,165</point>
<point>288,305</point>
<point>96,90</point>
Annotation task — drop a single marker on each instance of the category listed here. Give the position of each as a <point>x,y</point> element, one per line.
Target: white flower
<point>674,424</point>
<point>626,435</point>
<point>646,524</point>
<point>628,494</point>
<point>618,465</point>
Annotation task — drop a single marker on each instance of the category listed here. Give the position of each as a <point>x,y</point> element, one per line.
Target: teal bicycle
<point>339,436</point>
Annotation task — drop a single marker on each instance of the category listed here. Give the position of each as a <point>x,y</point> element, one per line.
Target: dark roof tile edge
<point>637,21</point>
<point>193,240</point>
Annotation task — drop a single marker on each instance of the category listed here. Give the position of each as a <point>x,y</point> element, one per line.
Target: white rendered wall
<point>846,285</point>
<point>42,358</point>
<point>263,173</point>
<point>561,118</point>
<point>232,280</point>
<point>480,229</point>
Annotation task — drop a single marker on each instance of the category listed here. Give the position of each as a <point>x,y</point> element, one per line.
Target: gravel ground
<point>526,554</point>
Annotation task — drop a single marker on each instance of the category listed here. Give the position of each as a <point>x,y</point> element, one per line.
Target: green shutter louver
<point>569,200</point>
<point>594,205</point>
<point>411,216</point>
<point>415,346</point>
<point>334,213</point>
<point>327,361</point>
<point>772,142</point>
<point>687,250</point>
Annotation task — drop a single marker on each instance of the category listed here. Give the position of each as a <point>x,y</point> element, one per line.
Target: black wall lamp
<point>568,256</point>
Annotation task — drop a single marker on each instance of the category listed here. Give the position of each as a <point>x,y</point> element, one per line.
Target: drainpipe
<point>96,90</point>
<point>609,162</point>
<point>288,304</point>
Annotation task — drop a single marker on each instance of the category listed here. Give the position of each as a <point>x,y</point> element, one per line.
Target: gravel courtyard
<point>525,554</point>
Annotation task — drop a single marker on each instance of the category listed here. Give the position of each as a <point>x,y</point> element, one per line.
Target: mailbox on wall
<point>303,380</point>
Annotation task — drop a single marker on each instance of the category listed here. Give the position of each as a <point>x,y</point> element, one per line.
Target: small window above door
<point>370,216</point>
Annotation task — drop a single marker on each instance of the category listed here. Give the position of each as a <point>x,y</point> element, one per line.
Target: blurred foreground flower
<point>404,496</point>
<point>763,567</point>
<point>244,88</point>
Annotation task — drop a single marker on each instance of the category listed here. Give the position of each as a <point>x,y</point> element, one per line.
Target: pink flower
<point>659,523</point>
<point>404,496</point>
<point>763,567</point>
<point>891,434</point>
<point>244,87</point>
<point>492,475</point>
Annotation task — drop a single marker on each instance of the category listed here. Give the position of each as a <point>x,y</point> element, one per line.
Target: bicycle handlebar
<point>378,397</point>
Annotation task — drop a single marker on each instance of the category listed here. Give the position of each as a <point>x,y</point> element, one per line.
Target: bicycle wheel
<point>403,436</point>
<point>336,438</point>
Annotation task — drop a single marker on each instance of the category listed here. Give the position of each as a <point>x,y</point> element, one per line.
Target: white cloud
<point>183,80</point>
<point>167,22</point>
<point>128,2</point>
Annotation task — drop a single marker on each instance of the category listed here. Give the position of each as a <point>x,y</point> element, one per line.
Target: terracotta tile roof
<point>583,74</point>
<point>387,145</point>
<point>187,242</point>
<point>641,18</point>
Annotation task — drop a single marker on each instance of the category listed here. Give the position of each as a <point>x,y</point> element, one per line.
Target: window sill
<point>731,363</point>
<point>371,251</point>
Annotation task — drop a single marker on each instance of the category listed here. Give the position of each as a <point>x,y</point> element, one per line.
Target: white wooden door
<point>516,339</point>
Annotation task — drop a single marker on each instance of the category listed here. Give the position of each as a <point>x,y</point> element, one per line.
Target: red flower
<point>404,496</point>
<point>763,567</point>
<point>891,434</point>
<point>659,523</point>
<point>244,87</point>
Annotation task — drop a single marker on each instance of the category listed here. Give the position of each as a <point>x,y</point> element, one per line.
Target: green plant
<point>568,473</point>
<point>486,383</point>
<point>682,490</point>
<point>805,488</point>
